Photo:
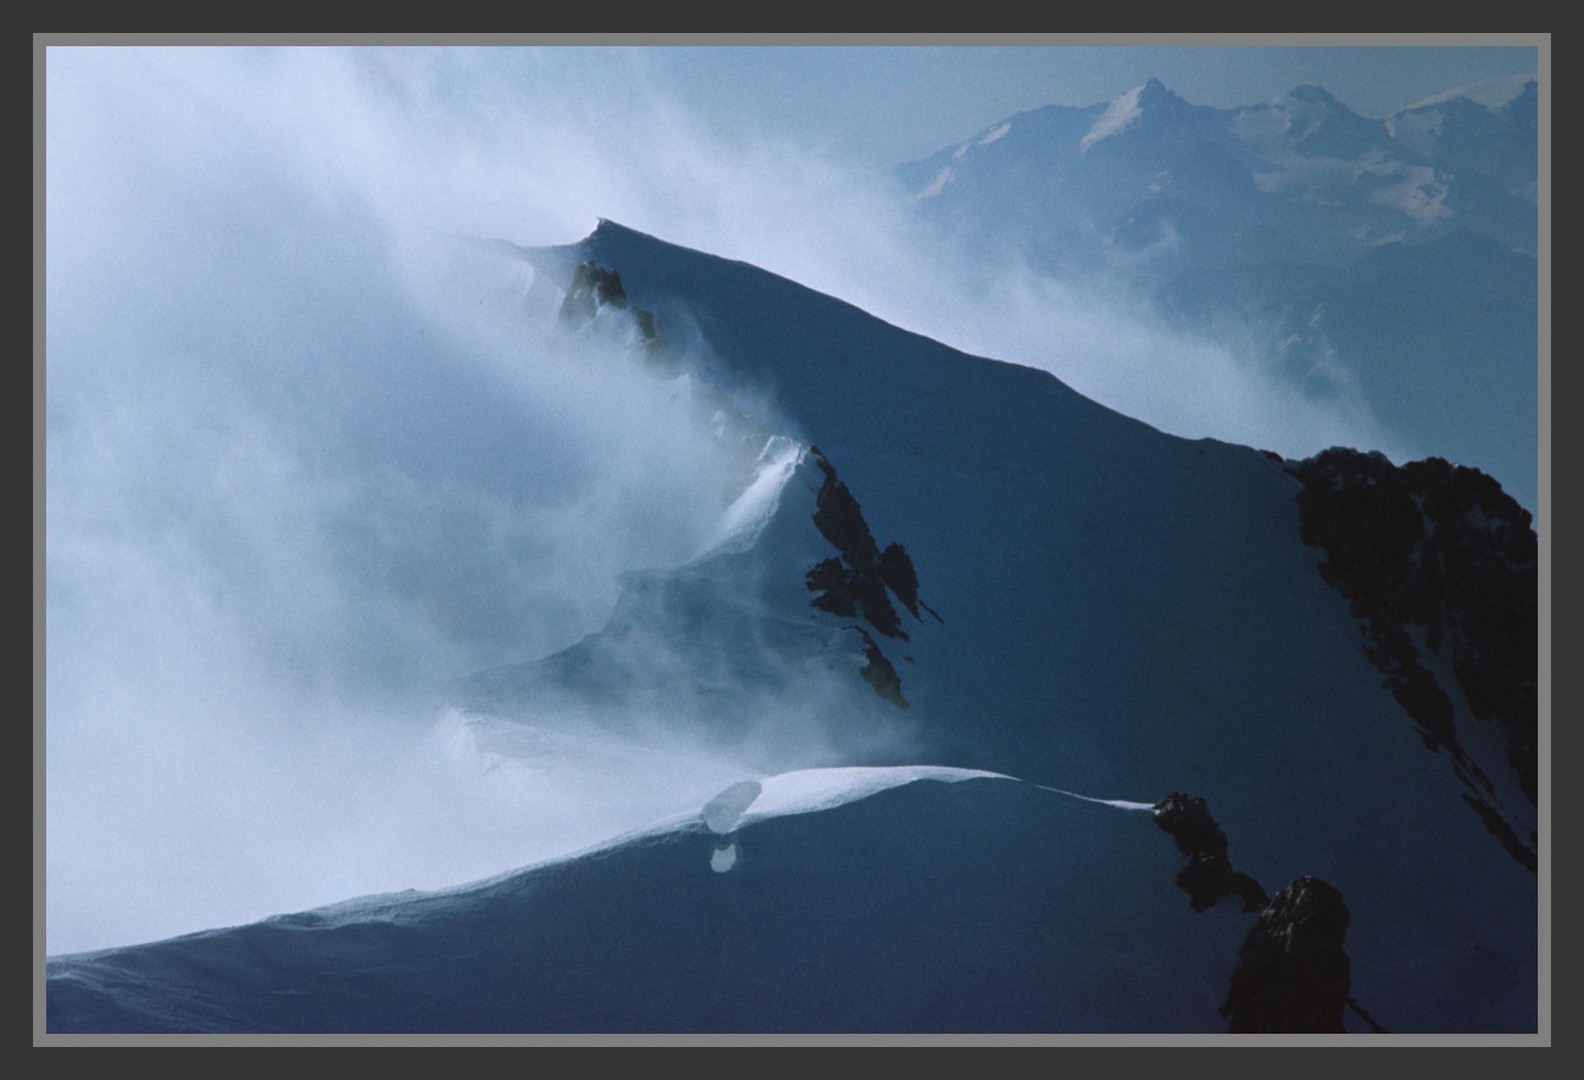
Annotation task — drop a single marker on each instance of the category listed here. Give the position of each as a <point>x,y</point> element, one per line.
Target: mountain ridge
<point>1272,218</point>
<point>1120,611</point>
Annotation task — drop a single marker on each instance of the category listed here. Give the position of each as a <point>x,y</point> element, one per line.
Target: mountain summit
<point>1061,724</point>
<point>1277,218</point>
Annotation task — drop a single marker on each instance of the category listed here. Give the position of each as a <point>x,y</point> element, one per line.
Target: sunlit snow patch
<point>996,134</point>
<point>809,790</point>
<point>1419,194</point>
<point>1120,804</point>
<point>1121,112</point>
<point>1494,93</point>
<point>747,516</point>
<point>721,815</point>
<point>721,812</point>
<point>937,184</point>
<point>724,858</point>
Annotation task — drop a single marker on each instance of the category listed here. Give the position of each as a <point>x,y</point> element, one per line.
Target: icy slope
<point>856,901</point>
<point>1118,610</point>
<point>945,560</point>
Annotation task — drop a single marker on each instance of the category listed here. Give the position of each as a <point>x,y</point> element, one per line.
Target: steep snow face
<point>728,654</point>
<point>852,900</point>
<point>747,515</point>
<point>1108,609</point>
<point>1088,605</point>
<point>997,133</point>
<point>858,900</point>
<point>1118,116</point>
<point>808,791</point>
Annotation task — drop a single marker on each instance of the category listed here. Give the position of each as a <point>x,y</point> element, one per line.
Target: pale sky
<point>893,104</point>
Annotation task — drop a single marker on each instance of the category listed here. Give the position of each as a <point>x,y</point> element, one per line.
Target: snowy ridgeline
<point>938,558</point>
<point>857,900</point>
<point>1391,258</point>
<point>869,900</point>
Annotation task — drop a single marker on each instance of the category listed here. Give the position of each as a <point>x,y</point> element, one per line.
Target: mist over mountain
<point>1393,257</point>
<point>927,557</point>
<point>1046,595</point>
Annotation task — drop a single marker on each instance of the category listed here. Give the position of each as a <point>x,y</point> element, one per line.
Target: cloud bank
<point>300,473</point>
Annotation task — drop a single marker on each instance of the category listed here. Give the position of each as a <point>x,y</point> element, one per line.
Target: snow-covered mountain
<point>1059,723</point>
<point>941,902</point>
<point>1401,251</point>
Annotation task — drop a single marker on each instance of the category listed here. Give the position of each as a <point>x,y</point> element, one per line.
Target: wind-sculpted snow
<point>1118,115</point>
<point>1114,604</point>
<point>310,460</point>
<point>723,812</point>
<point>808,791</point>
<point>645,672</point>
<point>1120,612</point>
<point>882,900</point>
<point>863,900</point>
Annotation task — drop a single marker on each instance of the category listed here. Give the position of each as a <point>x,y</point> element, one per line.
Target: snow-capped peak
<point>1313,95</point>
<point>1494,93</point>
<point>1118,117</point>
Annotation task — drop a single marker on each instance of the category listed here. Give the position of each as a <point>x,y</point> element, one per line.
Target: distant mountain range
<point>1062,724</point>
<point>1404,249</point>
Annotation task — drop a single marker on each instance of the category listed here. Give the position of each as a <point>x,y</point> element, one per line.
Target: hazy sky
<point>889,104</point>
<point>293,484</point>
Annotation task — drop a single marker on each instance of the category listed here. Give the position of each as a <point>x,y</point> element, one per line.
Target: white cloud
<point>295,483</point>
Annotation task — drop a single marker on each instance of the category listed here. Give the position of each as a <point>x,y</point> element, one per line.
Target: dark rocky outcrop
<point>880,673</point>
<point>591,289</point>
<point>594,287</point>
<point>1438,554</point>
<point>896,570</point>
<point>1292,974</point>
<point>832,582</point>
<point>652,343</point>
<point>1209,875</point>
<point>856,581</point>
<point>860,580</point>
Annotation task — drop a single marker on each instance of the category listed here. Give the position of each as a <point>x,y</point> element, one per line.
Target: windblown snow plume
<point>306,464</point>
